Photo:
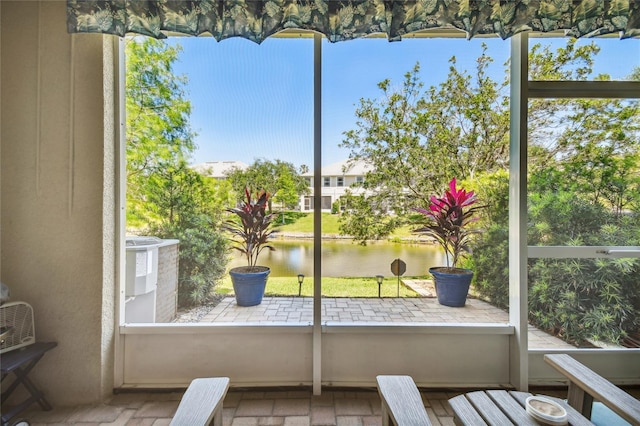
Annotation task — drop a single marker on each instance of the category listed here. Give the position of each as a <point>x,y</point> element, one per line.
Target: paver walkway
<point>371,310</point>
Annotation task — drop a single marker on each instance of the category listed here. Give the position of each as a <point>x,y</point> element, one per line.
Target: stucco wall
<point>52,195</point>
<point>167,292</point>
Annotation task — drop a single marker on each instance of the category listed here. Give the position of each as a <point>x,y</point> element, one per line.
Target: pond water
<point>344,258</point>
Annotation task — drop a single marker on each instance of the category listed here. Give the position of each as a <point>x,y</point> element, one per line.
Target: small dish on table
<point>546,410</point>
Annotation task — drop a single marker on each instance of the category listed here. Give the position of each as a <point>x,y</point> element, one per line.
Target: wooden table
<point>501,407</point>
<point>20,362</point>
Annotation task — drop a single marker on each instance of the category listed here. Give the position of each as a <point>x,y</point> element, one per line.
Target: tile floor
<point>353,407</point>
<point>244,408</point>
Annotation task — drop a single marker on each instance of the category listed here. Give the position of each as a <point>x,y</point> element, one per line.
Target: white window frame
<point>516,332</point>
<point>522,89</point>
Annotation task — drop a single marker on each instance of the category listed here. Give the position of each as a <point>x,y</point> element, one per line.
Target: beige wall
<point>167,292</point>
<point>54,228</point>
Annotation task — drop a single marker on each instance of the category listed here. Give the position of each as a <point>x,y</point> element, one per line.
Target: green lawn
<point>303,222</point>
<point>331,287</point>
<point>296,222</point>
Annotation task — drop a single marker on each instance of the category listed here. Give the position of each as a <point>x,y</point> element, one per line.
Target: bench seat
<point>201,404</point>
<point>401,402</point>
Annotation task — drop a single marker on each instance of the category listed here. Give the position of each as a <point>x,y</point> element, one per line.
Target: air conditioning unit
<point>17,327</point>
<point>141,265</point>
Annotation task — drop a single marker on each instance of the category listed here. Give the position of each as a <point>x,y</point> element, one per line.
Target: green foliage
<point>164,196</point>
<point>365,220</point>
<point>203,259</point>
<point>580,299</point>
<point>335,207</point>
<point>181,199</point>
<point>560,217</point>
<point>279,178</point>
<point>491,250</point>
<point>493,189</point>
<point>491,265</point>
<point>576,299</point>
<point>158,111</point>
<point>410,136</point>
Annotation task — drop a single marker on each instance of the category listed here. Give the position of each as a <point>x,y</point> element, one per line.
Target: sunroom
<point>62,212</point>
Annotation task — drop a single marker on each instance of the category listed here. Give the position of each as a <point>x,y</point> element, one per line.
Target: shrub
<point>575,299</point>
<point>585,299</point>
<point>203,257</point>
<point>491,265</point>
<point>188,207</point>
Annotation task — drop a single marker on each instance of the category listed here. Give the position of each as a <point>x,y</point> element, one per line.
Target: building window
<point>340,181</point>
<point>326,202</point>
<point>359,179</point>
<point>326,182</point>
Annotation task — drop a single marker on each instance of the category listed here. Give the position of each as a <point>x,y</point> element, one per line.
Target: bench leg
<point>217,417</point>
<point>386,419</point>
<point>580,400</point>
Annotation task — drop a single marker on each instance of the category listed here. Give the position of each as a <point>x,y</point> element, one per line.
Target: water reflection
<point>343,258</point>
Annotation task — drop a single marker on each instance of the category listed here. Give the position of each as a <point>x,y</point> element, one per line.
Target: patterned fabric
<point>344,20</point>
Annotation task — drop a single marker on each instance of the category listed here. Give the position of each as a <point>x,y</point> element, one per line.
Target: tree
<point>279,178</point>
<point>416,141</point>
<point>595,141</point>
<point>157,122</point>
<point>164,196</point>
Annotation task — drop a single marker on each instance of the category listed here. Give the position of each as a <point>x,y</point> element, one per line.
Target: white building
<point>218,169</point>
<point>336,179</point>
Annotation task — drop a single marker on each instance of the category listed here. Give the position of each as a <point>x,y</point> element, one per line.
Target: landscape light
<point>379,279</point>
<point>300,279</point>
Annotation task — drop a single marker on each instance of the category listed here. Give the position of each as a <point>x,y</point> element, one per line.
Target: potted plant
<point>250,235</point>
<point>450,216</point>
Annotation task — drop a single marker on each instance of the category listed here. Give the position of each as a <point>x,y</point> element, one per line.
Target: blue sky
<point>256,101</point>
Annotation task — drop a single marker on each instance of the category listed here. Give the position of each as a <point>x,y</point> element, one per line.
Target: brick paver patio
<point>371,310</point>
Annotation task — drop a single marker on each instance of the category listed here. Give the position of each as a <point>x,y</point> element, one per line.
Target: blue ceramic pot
<point>249,286</point>
<point>452,287</point>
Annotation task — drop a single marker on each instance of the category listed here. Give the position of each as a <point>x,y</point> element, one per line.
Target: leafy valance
<point>344,20</point>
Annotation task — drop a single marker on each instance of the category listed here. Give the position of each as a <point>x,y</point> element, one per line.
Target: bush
<point>491,250</point>
<point>575,299</point>
<point>203,257</point>
<point>585,299</point>
<point>188,208</point>
<point>335,207</point>
<point>491,266</point>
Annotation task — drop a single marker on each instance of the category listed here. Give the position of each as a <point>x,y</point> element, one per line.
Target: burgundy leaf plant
<point>449,218</point>
<point>252,232</point>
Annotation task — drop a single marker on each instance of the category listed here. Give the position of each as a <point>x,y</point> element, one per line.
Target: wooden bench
<point>585,385</point>
<point>401,402</point>
<point>501,407</point>
<point>201,404</point>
